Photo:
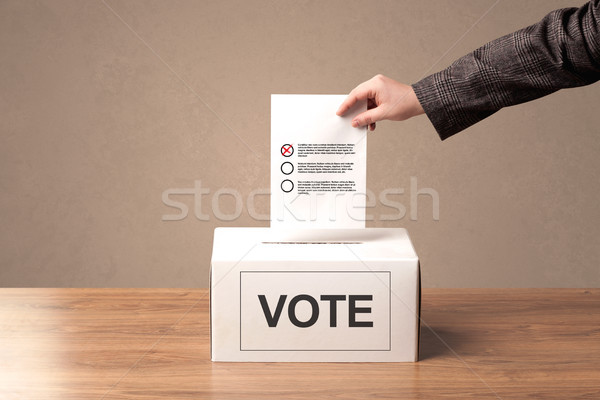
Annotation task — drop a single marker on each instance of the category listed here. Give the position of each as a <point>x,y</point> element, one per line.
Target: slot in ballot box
<point>316,295</point>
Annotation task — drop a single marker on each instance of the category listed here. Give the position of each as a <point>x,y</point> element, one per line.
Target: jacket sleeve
<point>560,51</point>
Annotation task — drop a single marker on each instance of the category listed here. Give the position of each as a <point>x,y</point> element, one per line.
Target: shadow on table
<point>438,342</point>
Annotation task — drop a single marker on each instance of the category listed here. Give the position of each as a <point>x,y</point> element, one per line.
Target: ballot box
<point>314,295</point>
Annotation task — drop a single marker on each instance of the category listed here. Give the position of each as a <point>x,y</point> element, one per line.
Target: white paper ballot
<point>318,163</point>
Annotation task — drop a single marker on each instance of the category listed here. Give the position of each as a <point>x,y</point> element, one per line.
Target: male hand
<point>386,99</point>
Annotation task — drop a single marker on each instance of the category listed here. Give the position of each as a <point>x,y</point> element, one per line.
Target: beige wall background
<point>105,105</point>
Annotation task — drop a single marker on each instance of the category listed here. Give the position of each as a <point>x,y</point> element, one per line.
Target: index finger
<point>358,93</point>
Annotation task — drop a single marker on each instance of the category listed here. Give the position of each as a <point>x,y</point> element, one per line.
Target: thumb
<point>368,117</point>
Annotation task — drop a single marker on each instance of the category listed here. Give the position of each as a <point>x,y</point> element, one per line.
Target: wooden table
<point>154,344</point>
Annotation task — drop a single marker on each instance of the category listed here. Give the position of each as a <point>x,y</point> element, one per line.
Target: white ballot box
<point>318,295</point>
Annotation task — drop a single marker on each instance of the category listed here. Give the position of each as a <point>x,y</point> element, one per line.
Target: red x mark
<point>287,150</point>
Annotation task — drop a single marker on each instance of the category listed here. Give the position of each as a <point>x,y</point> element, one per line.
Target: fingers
<point>347,104</point>
<point>361,92</point>
<point>386,99</point>
<point>369,117</point>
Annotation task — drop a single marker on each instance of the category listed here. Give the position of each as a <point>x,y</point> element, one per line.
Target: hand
<point>386,99</point>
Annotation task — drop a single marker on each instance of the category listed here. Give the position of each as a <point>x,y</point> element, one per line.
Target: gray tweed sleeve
<point>560,51</point>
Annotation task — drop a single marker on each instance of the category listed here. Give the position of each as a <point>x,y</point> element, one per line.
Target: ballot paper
<point>318,163</point>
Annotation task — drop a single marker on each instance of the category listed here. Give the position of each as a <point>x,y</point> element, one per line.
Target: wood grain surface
<point>154,344</point>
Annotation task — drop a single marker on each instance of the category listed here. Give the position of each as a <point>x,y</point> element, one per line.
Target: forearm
<point>560,51</point>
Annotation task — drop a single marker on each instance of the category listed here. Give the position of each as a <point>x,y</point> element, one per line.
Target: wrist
<point>415,104</point>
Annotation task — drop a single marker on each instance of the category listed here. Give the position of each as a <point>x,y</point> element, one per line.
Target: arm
<point>560,51</point>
